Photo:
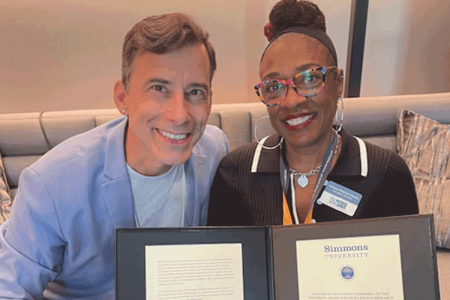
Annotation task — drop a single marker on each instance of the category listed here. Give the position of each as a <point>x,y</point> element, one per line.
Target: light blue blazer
<point>68,206</point>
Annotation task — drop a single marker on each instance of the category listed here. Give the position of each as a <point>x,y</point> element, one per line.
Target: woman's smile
<point>295,121</point>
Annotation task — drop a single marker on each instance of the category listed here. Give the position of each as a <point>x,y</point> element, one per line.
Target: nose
<point>292,98</point>
<point>177,110</point>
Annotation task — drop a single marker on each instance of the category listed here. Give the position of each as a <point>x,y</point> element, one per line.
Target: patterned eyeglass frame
<point>287,82</point>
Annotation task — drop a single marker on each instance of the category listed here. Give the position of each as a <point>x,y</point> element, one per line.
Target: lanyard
<point>287,180</point>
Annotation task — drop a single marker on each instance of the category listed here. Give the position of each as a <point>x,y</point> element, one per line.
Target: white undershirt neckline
<point>159,201</point>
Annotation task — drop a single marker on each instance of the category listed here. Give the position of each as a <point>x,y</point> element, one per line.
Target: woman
<point>312,170</point>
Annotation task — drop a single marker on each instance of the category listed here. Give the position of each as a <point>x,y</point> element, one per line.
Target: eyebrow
<point>166,82</point>
<point>299,69</point>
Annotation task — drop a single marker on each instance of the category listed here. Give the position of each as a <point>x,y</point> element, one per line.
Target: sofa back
<point>24,137</point>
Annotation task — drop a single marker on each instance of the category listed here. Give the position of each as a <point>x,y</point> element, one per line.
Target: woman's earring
<point>338,123</point>
<point>261,142</point>
<point>124,110</point>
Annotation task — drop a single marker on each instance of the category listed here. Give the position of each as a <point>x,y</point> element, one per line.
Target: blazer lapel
<point>116,191</point>
<point>117,196</point>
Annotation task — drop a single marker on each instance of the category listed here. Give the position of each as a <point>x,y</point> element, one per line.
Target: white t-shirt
<point>159,201</point>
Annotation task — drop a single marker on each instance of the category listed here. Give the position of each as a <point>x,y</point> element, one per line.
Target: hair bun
<point>268,31</point>
<point>289,13</point>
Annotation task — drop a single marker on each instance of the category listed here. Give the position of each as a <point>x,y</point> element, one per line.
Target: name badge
<point>340,198</point>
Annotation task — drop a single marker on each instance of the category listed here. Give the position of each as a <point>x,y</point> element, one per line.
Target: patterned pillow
<point>5,198</point>
<point>425,146</point>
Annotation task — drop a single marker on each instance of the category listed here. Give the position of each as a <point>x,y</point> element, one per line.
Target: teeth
<point>172,136</point>
<point>299,120</point>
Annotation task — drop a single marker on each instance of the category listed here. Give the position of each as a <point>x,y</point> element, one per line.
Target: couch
<point>24,137</point>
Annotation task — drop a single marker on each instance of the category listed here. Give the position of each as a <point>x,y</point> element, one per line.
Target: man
<point>152,168</point>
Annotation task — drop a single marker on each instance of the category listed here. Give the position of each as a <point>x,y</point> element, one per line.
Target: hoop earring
<point>259,141</point>
<point>338,123</point>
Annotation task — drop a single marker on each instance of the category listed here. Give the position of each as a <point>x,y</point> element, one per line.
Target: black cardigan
<point>240,197</point>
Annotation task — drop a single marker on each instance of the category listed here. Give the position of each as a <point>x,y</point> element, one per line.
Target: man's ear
<point>120,97</point>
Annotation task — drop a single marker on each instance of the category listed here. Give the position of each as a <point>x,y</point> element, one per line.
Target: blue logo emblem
<point>347,272</point>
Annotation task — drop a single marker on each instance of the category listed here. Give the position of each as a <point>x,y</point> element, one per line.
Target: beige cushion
<point>443,260</point>
<point>5,198</point>
<point>425,146</point>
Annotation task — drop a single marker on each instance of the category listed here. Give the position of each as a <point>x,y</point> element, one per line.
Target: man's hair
<point>161,34</point>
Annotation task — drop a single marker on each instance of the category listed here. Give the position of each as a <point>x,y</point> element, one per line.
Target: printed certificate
<point>364,267</point>
<point>191,272</point>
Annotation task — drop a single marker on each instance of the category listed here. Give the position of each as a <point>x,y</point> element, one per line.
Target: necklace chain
<point>303,180</point>
<point>310,173</point>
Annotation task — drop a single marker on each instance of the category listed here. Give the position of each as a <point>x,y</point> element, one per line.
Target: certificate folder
<point>274,262</point>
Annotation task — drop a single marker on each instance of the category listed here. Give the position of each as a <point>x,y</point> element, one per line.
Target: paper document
<point>194,272</point>
<point>367,267</point>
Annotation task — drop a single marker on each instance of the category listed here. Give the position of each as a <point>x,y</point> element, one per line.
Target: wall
<point>407,48</point>
<point>66,54</point>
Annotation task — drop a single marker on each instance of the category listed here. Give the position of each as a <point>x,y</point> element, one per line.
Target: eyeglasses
<point>308,83</point>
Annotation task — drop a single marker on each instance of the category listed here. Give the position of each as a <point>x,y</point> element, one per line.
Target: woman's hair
<point>302,17</point>
<point>290,13</point>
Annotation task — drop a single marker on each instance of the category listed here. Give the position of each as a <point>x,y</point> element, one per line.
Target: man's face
<point>168,103</point>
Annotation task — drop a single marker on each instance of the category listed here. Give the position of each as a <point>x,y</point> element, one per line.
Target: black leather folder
<point>269,254</point>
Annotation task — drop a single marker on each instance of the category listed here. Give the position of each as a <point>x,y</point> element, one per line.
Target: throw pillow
<point>425,146</point>
<point>5,198</point>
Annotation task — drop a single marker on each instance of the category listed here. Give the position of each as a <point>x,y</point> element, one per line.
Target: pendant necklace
<point>303,177</point>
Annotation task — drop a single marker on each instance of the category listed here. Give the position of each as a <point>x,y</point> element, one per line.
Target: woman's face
<point>300,120</point>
